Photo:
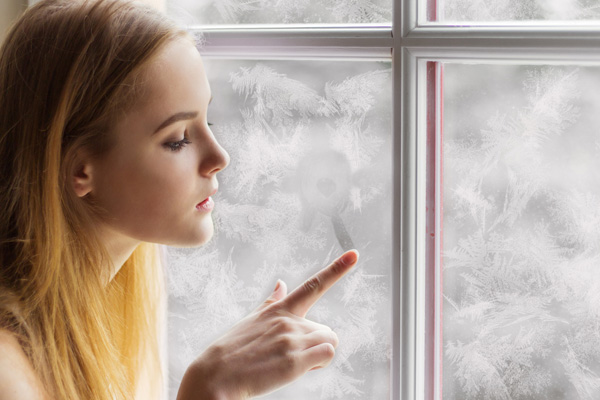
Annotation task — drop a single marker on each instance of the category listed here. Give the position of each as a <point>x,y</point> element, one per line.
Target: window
<point>506,132</point>
<point>305,112</point>
<point>454,143</point>
<point>310,176</point>
<point>520,231</point>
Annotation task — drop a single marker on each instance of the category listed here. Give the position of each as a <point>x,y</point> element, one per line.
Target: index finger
<point>306,295</point>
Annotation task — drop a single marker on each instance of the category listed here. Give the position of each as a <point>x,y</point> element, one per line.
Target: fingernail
<point>350,257</point>
<point>277,285</point>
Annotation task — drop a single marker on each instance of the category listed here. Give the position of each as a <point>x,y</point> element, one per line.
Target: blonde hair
<point>68,69</point>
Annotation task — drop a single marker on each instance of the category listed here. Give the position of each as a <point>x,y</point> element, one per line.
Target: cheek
<point>153,198</point>
<point>145,189</point>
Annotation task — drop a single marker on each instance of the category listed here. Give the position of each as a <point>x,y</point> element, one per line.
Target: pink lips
<point>208,204</point>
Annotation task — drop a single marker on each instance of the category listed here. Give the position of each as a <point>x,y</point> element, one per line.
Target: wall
<point>9,11</point>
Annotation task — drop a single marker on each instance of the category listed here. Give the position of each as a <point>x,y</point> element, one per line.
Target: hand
<point>272,346</point>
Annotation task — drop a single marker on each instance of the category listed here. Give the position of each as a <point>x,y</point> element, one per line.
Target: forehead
<point>175,77</point>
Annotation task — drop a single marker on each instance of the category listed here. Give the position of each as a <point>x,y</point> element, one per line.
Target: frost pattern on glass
<point>208,12</point>
<point>310,175</point>
<point>519,10</point>
<point>521,233</point>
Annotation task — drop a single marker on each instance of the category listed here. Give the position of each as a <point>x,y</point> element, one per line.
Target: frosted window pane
<point>521,232</point>
<point>518,10</point>
<point>310,175</point>
<point>210,12</point>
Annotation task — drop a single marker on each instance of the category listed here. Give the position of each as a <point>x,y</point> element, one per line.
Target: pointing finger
<point>306,295</point>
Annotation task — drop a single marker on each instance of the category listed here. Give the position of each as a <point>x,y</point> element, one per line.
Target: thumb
<point>278,293</point>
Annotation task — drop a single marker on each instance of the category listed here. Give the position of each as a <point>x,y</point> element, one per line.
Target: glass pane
<point>516,10</point>
<point>208,12</point>
<point>521,232</point>
<point>310,175</point>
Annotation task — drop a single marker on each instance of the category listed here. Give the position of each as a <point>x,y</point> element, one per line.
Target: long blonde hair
<point>68,69</point>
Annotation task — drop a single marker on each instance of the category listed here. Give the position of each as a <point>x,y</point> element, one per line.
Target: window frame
<point>526,42</point>
<point>349,42</point>
<point>410,43</point>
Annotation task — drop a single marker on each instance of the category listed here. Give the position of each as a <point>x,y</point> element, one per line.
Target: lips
<point>207,204</point>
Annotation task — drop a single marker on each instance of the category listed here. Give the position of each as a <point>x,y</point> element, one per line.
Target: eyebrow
<point>181,116</point>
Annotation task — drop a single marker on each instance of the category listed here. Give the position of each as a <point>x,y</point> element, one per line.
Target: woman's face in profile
<point>156,180</point>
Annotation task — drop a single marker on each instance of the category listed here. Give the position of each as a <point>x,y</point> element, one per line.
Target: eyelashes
<point>177,146</point>
<point>180,144</point>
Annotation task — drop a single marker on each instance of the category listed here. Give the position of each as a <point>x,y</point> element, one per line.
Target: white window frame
<point>410,42</point>
<point>527,42</point>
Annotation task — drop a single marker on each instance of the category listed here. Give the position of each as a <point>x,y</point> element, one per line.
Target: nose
<point>214,157</point>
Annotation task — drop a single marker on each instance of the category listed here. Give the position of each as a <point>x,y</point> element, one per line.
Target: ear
<point>81,178</point>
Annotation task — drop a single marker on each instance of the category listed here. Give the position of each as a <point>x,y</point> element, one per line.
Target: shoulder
<point>18,380</point>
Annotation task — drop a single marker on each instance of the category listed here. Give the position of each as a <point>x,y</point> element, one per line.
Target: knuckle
<point>321,327</point>
<point>328,352</point>
<point>314,284</point>
<point>216,351</point>
<point>290,364</point>
<point>337,267</point>
<point>284,325</point>
<point>284,343</point>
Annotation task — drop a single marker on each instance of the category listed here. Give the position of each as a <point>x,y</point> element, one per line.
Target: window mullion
<point>538,37</point>
<point>467,51</point>
<point>406,200</point>
<point>344,42</point>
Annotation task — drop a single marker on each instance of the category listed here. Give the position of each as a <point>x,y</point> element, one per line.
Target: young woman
<point>105,151</point>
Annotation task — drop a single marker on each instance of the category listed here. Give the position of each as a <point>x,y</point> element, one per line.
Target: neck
<point>119,248</point>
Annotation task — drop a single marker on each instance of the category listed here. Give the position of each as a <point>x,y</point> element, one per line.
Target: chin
<point>197,238</point>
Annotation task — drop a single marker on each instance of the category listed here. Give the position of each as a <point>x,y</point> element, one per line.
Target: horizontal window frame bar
<point>376,42</point>
<point>504,44</point>
<point>381,35</point>
<point>294,29</point>
<point>269,35</point>
<point>347,42</point>
<point>543,36</point>
<point>298,53</point>
<point>507,55</point>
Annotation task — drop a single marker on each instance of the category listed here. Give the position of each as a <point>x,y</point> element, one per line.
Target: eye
<point>177,146</point>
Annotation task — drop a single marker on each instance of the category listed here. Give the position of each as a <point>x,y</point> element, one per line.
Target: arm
<point>18,380</point>
<point>271,347</point>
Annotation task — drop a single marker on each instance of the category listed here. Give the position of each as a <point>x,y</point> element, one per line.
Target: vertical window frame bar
<point>433,231</point>
<point>439,225</point>
<point>402,87</point>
